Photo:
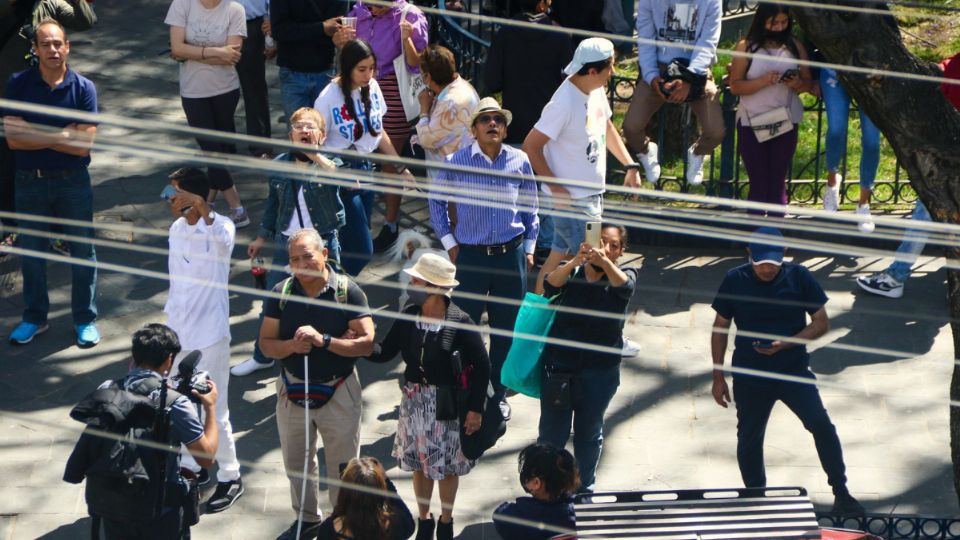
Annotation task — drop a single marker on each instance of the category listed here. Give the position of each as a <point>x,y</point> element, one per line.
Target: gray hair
<point>310,235</point>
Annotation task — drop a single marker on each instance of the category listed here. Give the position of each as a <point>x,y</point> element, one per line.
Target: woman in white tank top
<point>769,85</point>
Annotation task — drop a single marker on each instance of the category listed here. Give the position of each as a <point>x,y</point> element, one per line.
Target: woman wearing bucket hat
<point>436,349</point>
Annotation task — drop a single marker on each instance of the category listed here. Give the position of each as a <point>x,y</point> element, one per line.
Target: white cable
<point>306,440</point>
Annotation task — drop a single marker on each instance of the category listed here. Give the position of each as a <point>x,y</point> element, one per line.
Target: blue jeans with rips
<point>69,196</point>
<point>836,101</point>
<point>592,391</point>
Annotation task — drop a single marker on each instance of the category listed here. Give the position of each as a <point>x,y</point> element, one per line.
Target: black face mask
<point>780,37</point>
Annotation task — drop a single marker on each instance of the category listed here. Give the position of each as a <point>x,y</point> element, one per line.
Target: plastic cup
<point>349,22</point>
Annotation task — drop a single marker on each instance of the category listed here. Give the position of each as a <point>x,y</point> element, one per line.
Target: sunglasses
<point>495,118</point>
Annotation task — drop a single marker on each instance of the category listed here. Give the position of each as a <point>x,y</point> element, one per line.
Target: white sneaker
<point>650,162</point>
<point>881,284</point>
<point>248,366</point>
<point>866,224</point>
<point>694,167</point>
<point>831,197</point>
<point>630,348</point>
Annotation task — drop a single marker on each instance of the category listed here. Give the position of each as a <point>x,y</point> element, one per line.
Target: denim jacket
<point>323,203</point>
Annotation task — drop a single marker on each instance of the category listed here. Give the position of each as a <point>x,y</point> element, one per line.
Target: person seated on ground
<point>362,515</point>
<point>549,474</point>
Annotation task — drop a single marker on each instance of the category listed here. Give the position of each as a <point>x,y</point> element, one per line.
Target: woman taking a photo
<point>385,30</point>
<point>769,85</point>
<point>356,124</point>
<point>361,515</point>
<point>428,431</point>
<point>205,37</point>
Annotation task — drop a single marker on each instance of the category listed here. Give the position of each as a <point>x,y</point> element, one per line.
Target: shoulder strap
<point>343,287</point>
<point>285,292</point>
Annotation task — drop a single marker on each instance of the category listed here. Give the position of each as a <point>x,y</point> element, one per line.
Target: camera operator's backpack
<point>126,480</point>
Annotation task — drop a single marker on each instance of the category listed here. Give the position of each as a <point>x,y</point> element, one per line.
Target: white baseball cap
<point>589,50</point>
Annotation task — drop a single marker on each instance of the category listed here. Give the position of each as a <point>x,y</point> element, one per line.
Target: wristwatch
<point>326,341</point>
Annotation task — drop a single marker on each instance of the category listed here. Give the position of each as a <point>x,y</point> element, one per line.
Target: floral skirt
<point>424,443</point>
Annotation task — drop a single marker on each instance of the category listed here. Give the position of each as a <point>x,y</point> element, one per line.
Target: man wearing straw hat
<point>496,232</point>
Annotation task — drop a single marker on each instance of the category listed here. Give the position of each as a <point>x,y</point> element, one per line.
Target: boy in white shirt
<point>198,309</point>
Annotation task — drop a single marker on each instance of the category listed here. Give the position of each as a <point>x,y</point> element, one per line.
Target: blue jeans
<point>836,101</point>
<point>69,197</point>
<point>357,243</point>
<point>545,236</point>
<point>276,275</point>
<point>911,246</point>
<point>568,232</point>
<point>501,277</point>
<point>755,399</point>
<point>300,89</point>
<point>592,391</point>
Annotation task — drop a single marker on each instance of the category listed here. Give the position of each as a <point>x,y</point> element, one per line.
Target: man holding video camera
<point>198,310</point>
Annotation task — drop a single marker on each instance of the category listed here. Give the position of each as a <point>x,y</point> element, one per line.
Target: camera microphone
<point>189,363</point>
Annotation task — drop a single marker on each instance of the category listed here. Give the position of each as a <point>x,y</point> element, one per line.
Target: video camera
<point>188,378</point>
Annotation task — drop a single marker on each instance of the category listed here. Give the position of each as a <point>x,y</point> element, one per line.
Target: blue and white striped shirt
<point>505,208</point>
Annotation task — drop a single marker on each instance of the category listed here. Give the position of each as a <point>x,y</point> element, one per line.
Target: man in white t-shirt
<point>198,310</point>
<point>570,143</point>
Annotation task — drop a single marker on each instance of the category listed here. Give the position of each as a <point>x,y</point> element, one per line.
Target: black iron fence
<point>724,174</point>
<point>897,527</point>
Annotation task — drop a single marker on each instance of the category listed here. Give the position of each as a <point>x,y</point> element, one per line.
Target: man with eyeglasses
<point>297,202</point>
<point>496,232</point>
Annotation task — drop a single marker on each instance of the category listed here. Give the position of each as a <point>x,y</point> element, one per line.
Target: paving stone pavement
<point>663,430</point>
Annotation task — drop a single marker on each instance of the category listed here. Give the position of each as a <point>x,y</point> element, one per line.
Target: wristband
<point>631,167</point>
<point>326,341</point>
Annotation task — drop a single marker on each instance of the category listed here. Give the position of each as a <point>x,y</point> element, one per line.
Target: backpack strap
<point>285,292</point>
<point>343,286</point>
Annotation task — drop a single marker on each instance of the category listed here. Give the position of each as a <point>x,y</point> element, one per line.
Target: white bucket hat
<point>435,270</point>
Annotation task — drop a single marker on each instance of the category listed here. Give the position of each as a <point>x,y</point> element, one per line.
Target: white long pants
<point>216,360</point>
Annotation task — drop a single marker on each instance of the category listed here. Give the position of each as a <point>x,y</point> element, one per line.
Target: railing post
<point>728,147</point>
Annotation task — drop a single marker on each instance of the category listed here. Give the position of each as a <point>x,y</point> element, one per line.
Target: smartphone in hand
<point>591,234</point>
<point>762,344</point>
<point>789,74</point>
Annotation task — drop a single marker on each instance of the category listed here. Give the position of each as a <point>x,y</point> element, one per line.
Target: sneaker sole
<point>895,293</point>
<point>43,328</point>
<point>241,224</point>
<point>232,502</point>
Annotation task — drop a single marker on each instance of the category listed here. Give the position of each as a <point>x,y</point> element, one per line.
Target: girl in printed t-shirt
<point>356,124</point>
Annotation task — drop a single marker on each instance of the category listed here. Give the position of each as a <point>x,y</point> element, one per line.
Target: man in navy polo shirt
<point>52,154</point>
<point>772,298</point>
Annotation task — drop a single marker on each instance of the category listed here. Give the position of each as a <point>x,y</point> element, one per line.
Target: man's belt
<point>51,173</point>
<point>255,19</point>
<point>497,249</point>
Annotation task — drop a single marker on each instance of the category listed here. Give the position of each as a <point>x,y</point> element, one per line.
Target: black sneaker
<point>307,532</point>
<point>845,505</point>
<point>386,239</point>
<point>203,477</point>
<point>506,410</point>
<point>225,495</point>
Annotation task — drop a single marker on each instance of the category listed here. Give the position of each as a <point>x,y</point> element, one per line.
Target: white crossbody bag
<point>771,124</point>
<point>410,84</point>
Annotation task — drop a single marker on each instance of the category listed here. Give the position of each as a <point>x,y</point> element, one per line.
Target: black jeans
<point>252,71</point>
<point>216,113</point>
<point>7,191</point>
<point>166,527</point>
<point>755,399</point>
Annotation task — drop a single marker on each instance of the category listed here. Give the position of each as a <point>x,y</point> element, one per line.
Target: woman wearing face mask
<point>356,124</point>
<point>428,432</point>
<point>769,82</point>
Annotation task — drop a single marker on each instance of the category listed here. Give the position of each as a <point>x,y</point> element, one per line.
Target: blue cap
<point>761,251</point>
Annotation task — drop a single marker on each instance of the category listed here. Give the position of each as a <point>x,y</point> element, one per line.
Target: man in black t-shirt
<point>316,325</point>
<point>769,300</point>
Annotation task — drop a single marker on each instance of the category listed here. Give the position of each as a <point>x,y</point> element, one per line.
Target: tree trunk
<point>920,124</point>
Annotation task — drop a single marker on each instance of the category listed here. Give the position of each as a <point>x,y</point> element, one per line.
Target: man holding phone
<point>770,300</point>
<point>492,246</point>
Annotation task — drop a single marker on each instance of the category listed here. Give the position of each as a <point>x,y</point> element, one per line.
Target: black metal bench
<point>698,514</point>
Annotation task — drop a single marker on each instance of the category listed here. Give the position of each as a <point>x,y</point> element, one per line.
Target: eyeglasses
<point>305,126</point>
<point>495,118</point>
